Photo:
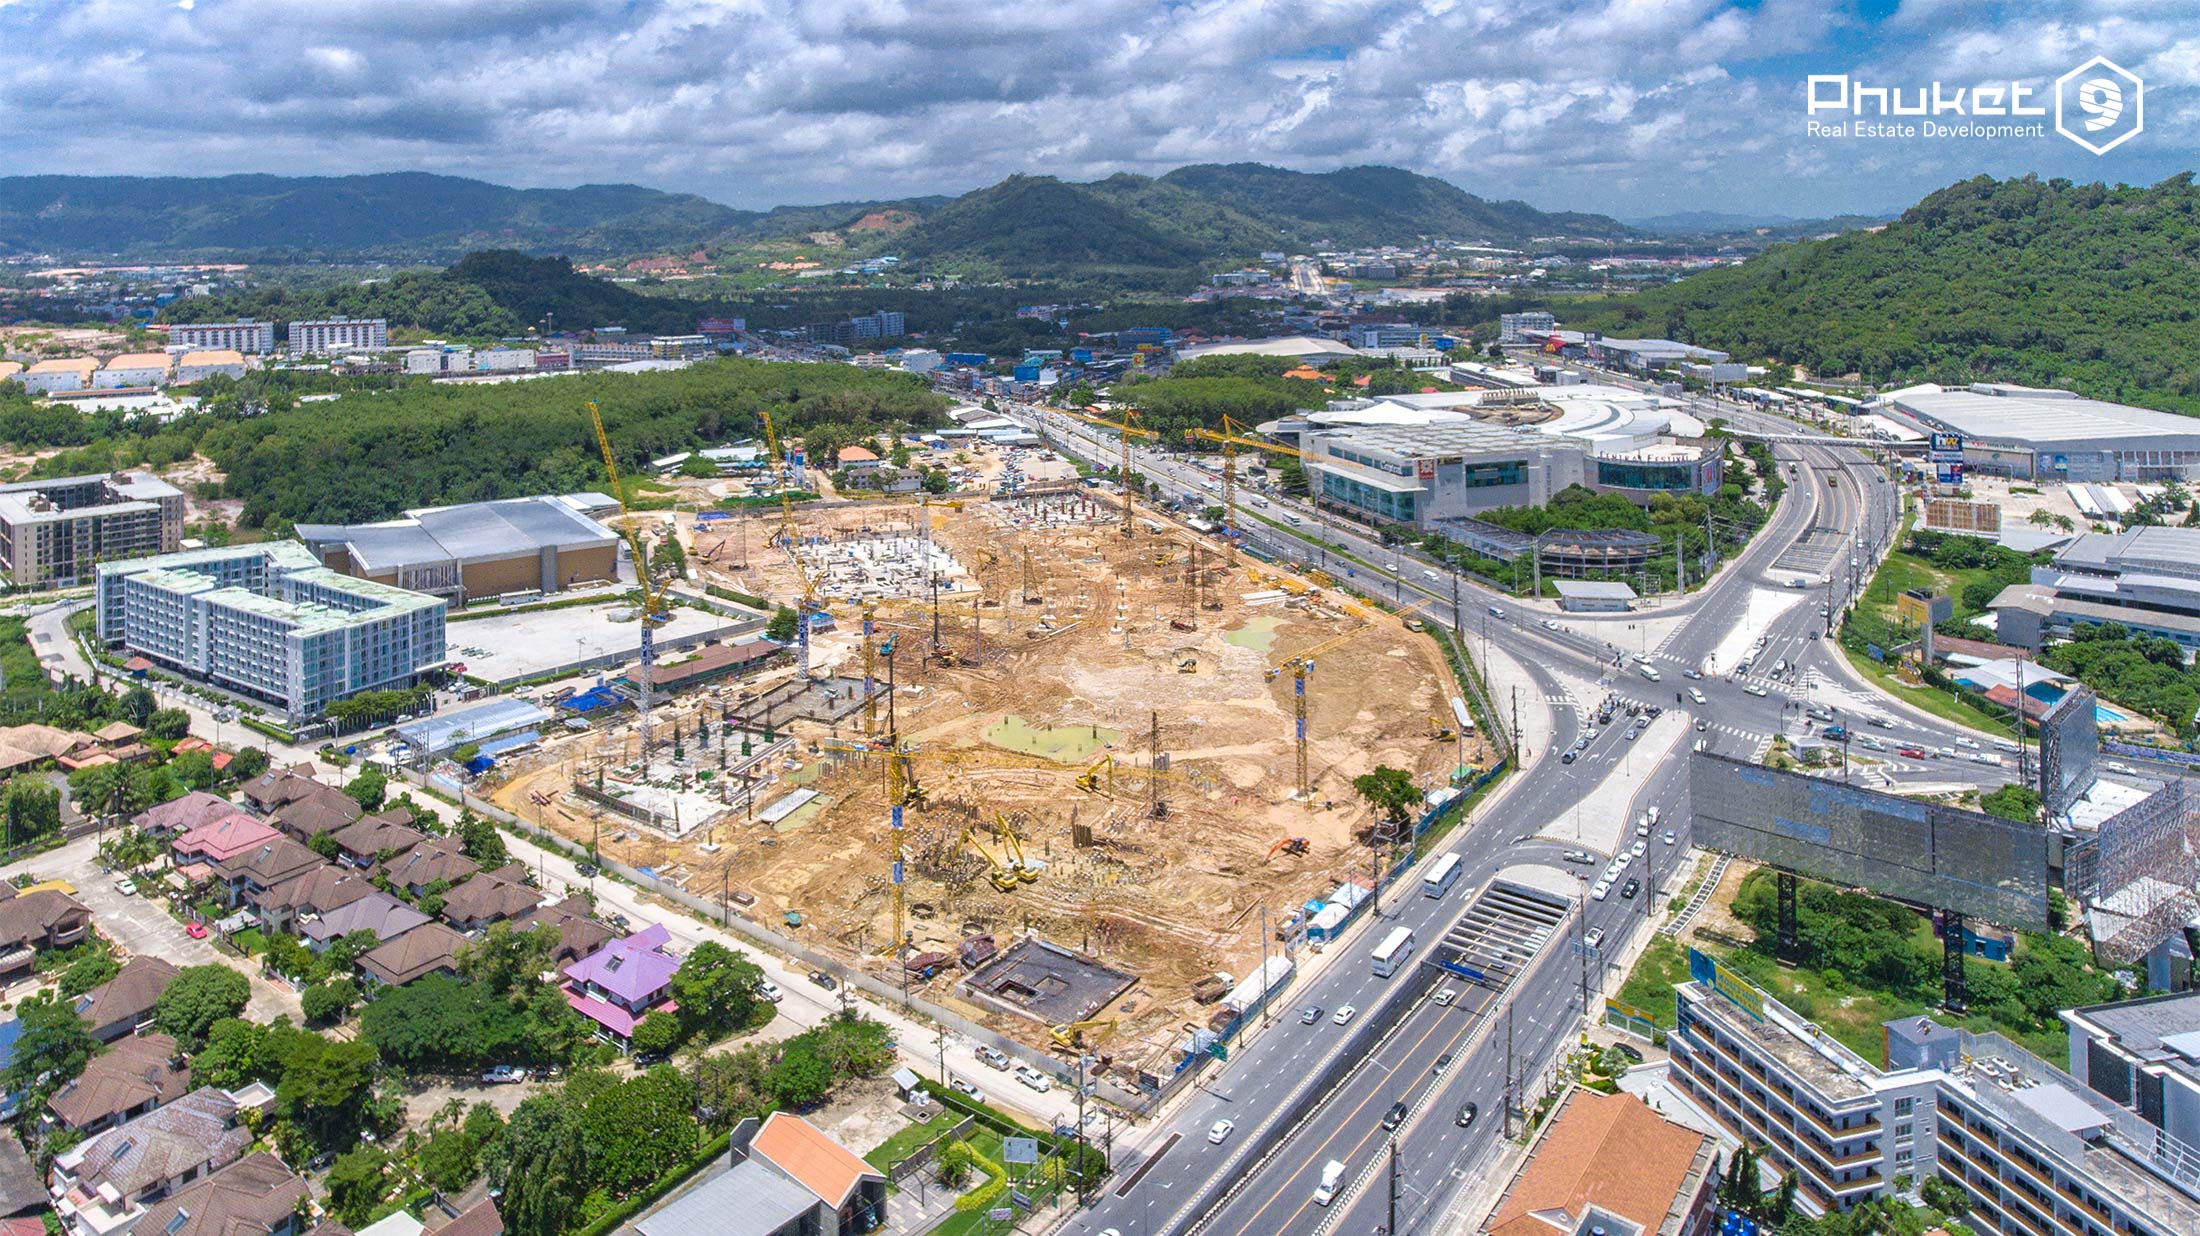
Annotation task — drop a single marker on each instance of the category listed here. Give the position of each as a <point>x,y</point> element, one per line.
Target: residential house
<point>479,1219</point>
<point>378,912</point>
<point>135,1076</point>
<point>1607,1162</point>
<point>322,809</point>
<point>255,1196</point>
<point>219,758</point>
<point>315,891</point>
<point>624,981</point>
<point>578,933</point>
<point>430,948</point>
<point>103,1184</point>
<point>258,870</point>
<point>786,1178</point>
<point>490,897</point>
<point>436,860</point>
<point>222,838</point>
<point>38,920</point>
<point>123,1005</point>
<point>21,1190</point>
<point>278,786</point>
<point>371,839</point>
<point>181,815</point>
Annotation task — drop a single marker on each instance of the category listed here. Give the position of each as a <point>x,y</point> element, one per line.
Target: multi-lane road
<point>1261,1178</point>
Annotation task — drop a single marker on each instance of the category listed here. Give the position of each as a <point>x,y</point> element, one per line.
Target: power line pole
<point>1393,1228</point>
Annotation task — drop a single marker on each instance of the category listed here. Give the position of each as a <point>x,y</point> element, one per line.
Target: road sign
<point>1019,1150</point>
<point>1001,1214</point>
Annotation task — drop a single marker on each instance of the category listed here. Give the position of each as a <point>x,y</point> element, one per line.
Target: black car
<point>1442,1062</point>
<point>823,979</point>
<point>1395,1116</point>
<point>1467,1115</point>
<point>1629,889</point>
<point>1567,758</point>
<point>587,870</point>
<point>1628,1050</point>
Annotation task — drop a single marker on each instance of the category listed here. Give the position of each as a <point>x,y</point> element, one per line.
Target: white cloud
<point>1629,106</point>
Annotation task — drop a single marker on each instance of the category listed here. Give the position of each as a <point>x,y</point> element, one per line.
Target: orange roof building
<point>1307,373</point>
<point>1610,1154</point>
<point>816,1162</point>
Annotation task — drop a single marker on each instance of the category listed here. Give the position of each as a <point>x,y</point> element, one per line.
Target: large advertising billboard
<point>1922,853</point>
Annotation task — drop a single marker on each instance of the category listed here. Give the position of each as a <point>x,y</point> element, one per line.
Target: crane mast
<point>807,605</point>
<point>653,604</point>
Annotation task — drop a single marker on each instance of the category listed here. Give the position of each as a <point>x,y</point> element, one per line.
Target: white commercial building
<point>2053,435</point>
<point>251,338</point>
<point>1520,327</point>
<point>49,376</point>
<point>337,335</point>
<point>271,622</point>
<point>196,366</point>
<point>135,369</point>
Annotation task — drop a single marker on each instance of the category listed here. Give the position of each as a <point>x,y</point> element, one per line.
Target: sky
<point>1634,108</point>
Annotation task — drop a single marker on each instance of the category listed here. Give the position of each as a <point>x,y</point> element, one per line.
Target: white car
<point>1343,1015</point>
<point>126,886</point>
<point>1034,1078</point>
<point>1669,838</point>
<point>1444,996</point>
<point>1220,1131</point>
<point>770,991</point>
<point>1754,689</point>
<point>1653,816</point>
<point>975,1095</point>
<point>1968,742</point>
<point>1639,849</point>
<point>1599,892</point>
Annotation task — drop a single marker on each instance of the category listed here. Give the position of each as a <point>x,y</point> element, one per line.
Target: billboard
<point>2070,740</point>
<point>1945,453</point>
<point>1923,853</point>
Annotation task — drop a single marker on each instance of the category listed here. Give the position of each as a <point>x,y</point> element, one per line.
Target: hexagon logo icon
<point>2100,105</point>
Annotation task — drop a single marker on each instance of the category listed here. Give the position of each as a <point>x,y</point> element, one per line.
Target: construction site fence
<point>1138,1101</point>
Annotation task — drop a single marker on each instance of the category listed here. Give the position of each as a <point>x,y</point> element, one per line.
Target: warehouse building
<point>2052,435</point>
<point>2147,579</point>
<point>269,621</point>
<point>211,362</point>
<point>53,532</point>
<point>482,549</point>
<point>51,376</point>
<point>132,370</point>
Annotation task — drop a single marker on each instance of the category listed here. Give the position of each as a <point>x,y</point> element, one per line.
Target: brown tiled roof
<point>323,809</point>
<point>270,864</point>
<point>486,898</point>
<point>373,834</point>
<point>479,1219</point>
<point>34,915</point>
<point>21,1191</point>
<point>197,1133</point>
<point>116,731</point>
<point>1604,1150</point>
<point>578,934</point>
<point>422,950</point>
<point>437,858</point>
<point>251,1197</point>
<point>278,786</point>
<point>317,891</point>
<point>129,995</point>
<point>133,1071</point>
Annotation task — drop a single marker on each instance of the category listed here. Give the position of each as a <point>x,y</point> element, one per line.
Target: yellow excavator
<point>1002,876</point>
<point>1071,1037</point>
<point>1026,870</point>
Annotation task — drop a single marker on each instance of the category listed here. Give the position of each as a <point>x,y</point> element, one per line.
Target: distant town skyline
<point>1634,109</point>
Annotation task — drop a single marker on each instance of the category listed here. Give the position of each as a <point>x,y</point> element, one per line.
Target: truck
<point>1332,1177</point>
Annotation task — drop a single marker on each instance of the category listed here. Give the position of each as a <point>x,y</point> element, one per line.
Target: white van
<point>1293,520</point>
<point>1648,671</point>
<point>1260,502</point>
<point>1332,1176</point>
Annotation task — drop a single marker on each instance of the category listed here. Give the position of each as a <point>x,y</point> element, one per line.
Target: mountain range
<point>1023,225</point>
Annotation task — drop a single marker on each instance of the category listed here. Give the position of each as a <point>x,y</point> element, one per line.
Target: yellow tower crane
<point>1230,437</point>
<point>790,474</point>
<point>1124,432</point>
<point>654,607</point>
<point>1301,665</point>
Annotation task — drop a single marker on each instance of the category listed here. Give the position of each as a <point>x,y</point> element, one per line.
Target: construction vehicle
<point>1026,869</point>
<point>1071,1037</point>
<point>1286,845</point>
<point>655,609</point>
<point>1124,432</point>
<point>1002,876</point>
<point>1189,665</point>
<point>1438,731</point>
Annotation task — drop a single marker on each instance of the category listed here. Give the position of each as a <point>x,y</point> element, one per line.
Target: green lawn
<point>1664,966</point>
<point>1939,703</point>
<point>904,1143</point>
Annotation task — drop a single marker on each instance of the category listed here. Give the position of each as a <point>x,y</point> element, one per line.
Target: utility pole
<point>1508,1112</point>
<point>1264,965</point>
<point>1393,1228</point>
<point>1455,631</point>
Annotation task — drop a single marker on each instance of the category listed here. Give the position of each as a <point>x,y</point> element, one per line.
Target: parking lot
<point>512,647</point>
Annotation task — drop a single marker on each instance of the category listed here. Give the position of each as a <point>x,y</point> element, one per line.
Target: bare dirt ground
<point>1034,694</point>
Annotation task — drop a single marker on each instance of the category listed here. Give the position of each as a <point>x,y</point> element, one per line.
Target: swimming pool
<point>2107,716</point>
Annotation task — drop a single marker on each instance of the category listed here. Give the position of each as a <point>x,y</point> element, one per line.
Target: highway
<point>1262,1177</point>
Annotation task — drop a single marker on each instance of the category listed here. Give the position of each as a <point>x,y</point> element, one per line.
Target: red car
<point>1911,753</point>
<point>196,931</point>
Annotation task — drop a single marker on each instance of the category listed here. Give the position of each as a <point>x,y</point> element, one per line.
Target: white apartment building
<point>271,622</point>
<point>337,335</point>
<point>250,338</point>
<point>54,531</point>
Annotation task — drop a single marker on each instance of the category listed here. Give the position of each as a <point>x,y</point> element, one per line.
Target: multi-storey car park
<point>270,622</point>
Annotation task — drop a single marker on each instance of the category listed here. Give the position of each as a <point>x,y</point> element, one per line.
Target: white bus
<point>1442,874</point>
<point>1395,950</point>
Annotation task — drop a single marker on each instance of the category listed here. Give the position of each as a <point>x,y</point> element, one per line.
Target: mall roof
<point>475,532</point>
<point>1297,347</point>
<point>1999,412</point>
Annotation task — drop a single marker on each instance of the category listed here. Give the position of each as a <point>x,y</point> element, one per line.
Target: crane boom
<point>790,477</point>
<point>653,603</point>
<point>1124,431</point>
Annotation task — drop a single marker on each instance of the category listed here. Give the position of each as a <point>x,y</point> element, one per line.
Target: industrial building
<point>252,338</point>
<point>211,362</point>
<point>2051,435</point>
<point>1643,354</point>
<point>269,621</point>
<point>52,376</point>
<point>337,335</point>
<point>55,531</point>
<point>135,369</point>
<point>482,549</point>
<point>2147,579</point>
<point>2033,1149</point>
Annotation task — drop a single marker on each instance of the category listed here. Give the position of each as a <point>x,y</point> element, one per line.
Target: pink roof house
<point>624,981</point>
<point>220,840</point>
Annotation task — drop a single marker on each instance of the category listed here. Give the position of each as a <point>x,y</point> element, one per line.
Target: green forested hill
<point>1375,206</point>
<point>410,215</point>
<point>2044,283</point>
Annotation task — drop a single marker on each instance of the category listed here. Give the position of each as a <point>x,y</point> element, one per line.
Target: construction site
<point>1087,727</point>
